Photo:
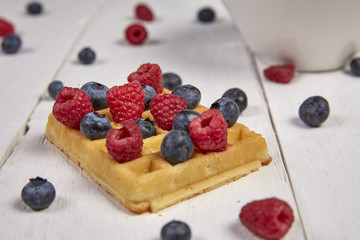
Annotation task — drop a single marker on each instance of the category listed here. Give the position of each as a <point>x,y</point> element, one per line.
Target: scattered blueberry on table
<point>11,44</point>
<point>176,230</point>
<point>314,111</point>
<point>355,66</point>
<point>38,194</point>
<point>87,55</point>
<point>34,8</point>
<point>206,15</point>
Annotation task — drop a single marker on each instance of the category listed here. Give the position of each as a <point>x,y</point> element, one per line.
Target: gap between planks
<point>257,74</point>
<point>25,126</point>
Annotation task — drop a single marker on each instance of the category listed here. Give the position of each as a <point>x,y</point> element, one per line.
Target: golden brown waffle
<point>150,183</point>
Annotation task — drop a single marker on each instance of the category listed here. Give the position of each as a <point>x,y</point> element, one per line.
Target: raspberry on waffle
<point>148,74</point>
<point>150,183</point>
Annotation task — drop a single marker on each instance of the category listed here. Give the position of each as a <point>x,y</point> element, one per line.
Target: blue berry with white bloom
<point>171,80</point>
<point>314,111</point>
<point>87,56</point>
<point>11,44</point>
<point>176,230</point>
<point>97,93</point>
<point>38,194</point>
<point>238,96</point>
<point>147,127</point>
<point>34,8</point>
<point>228,108</point>
<point>54,88</point>
<point>177,147</point>
<point>149,95</point>
<point>94,125</point>
<point>190,94</point>
<point>183,119</point>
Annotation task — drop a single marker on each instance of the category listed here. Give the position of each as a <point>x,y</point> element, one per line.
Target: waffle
<point>150,183</point>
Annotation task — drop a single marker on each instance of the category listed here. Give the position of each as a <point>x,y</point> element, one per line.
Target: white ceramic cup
<point>315,35</point>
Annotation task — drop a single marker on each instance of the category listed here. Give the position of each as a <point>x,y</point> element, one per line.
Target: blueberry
<point>34,8</point>
<point>191,94</point>
<point>314,111</point>
<point>97,93</point>
<point>147,127</point>
<point>183,119</point>
<point>176,230</point>
<point>238,96</point>
<point>11,44</point>
<point>206,15</point>
<point>94,125</point>
<point>171,80</point>
<point>228,108</point>
<point>149,95</point>
<point>38,193</point>
<point>54,88</point>
<point>355,66</point>
<point>177,146</point>
<point>87,56</point>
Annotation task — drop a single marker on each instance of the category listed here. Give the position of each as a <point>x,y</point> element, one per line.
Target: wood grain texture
<point>322,161</point>
<point>46,42</point>
<point>318,165</point>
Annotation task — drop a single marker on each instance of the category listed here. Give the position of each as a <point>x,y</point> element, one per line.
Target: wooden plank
<point>46,41</point>
<point>209,56</point>
<point>322,162</point>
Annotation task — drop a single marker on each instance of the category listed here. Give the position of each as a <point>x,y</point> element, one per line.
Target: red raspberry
<point>209,131</point>
<point>6,28</point>
<point>136,34</point>
<point>269,218</point>
<point>71,105</point>
<point>164,108</point>
<point>143,12</point>
<point>125,144</point>
<point>126,101</point>
<point>148,74</point>
<point>280,73</point>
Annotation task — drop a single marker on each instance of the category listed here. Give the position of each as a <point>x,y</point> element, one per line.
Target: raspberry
<point>71,105</point>
<point>6,28</point>
<point>209,131</point>
<point>125,144</point>
<point>280,73</point>
<point>136,34</point>
<point>148,74</point>
<point>126,101</point>
<point>268,218</point>
<point>164,108</point>
<point>143,12</point>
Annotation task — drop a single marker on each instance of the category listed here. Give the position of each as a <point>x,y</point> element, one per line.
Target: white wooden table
<point>316,170</point>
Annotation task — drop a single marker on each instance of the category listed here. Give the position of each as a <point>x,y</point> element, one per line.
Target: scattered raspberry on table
<point>143,12</point>
<point>280,73</point>
<point>6,28</point>
<point>268,218</point>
